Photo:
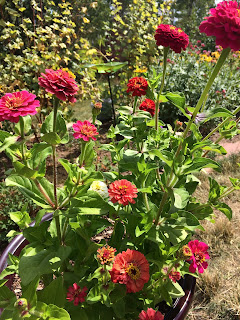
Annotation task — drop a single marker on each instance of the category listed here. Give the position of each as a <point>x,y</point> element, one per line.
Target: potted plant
<point>146,203</point>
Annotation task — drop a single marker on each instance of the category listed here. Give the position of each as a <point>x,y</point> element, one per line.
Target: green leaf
<point>199,163</point>
<point>181,197</point>
<point>178,101</point>
<point>224,208</point>
<point>119,308</point>
<point>51,138</point>
<point>30,292</point>
<point>54,293</point>
<point>8,141</point>
<point>94,295</point>
<point>51,311</point>
<point>27,125</point>
<point>30,189</point>
<point>38,261</point>
<point>21,218</point>
<point>174,289</point>
<point>109,67</point>
<point>165,156</point>
<point>24,170</point>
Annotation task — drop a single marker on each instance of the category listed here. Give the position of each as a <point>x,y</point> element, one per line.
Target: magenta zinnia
<point>122,191</point>
<point>148,105</point>
<point>170,36</point>
<point>150,314</point>
<point>76,294</point>
<point>84,130</point>
<point>199,256</point>
<point>60,83</point>
<point>16,104</point>
<point>224,24</point>
<point>130,268</point>
<point>138,86</point>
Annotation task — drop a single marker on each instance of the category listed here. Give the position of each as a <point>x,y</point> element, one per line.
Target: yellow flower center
<point>14,102</point>
<point>133,271</point>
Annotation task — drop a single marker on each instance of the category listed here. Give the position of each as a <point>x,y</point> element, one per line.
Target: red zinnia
<point>173,37</point>
<point>59,82</point>
<point>130,268</point>
<point>138,86</point>
<point>84,130</point>
<point>76,294</point>
<point>16,104</point>
<point>150,314</point>
<point>122,191</point>
<point>199,256</point>
<point>148,105</point>
<point>224,24</point>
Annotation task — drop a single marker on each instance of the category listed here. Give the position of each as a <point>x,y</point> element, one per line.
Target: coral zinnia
<point>169,36</point>
<point>224,24</point>
<point>122,191</point>
<point>76,294</point>
<point>199,256</point>
<point>148,105</point>
<point>59,82</point>
<point>150,314</point>
<point>84,130</point>
<point>16,104</point>
<point>138,86</point>
<point>130,268</point>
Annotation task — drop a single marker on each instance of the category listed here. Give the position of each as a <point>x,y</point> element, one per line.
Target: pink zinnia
<point>170,36</point>
<point>59,82</point>
<point>224,24</point>
<point>76,294</point>
<point>138,86</point>
<point>150,314</point>
<point>16,104</point>
<point>130,268</point>
<point>84,130</point>
<point>122,191</point>
<point>199,256</point>
<point>148,105</point>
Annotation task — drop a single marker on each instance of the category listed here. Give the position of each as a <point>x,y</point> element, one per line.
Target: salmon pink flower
<point>224,24</point>
<point>122,191</point>
<point>76,294</point>
<point>60,83</point>
<point>148,105</point>
<point>130,268</point>
<point>16,104</point>
<point>106,254</point>
<point>138,86</point>
<point>199,256</point>
<point>84,130</point>
<point>170,36</point>
<point>150,314</point>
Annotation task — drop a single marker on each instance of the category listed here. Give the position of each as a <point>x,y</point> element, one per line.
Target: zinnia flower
<point>84,130</point>
<point>106,254</point>
<point>130,268</point>
<point>148,105</point>
<point>59,82</point>
<point>224,24</point>
<point>76,294</point>
<point>169,36</point>
<point>138,86</point>
<point>150,314</point>
<point>122,191</point>
<point>100,187</point>
<point>16,104</point>
<point>199,256</point>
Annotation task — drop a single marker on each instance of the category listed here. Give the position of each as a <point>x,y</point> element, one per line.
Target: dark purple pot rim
<point>179,309</point>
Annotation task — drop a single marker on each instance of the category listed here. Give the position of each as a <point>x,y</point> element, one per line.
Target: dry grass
<point>217,295</point>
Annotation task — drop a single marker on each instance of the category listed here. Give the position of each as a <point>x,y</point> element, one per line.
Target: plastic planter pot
<point>178,311</point>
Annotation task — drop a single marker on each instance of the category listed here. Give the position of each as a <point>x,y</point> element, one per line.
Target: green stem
<point>162,203</point>
<point>83,151</point>
<point>227,192</point>
<point>22,137</point>
<point>135,104</point>
<point>165,53</point>
<point>64,230</point>
<point>201,100</point>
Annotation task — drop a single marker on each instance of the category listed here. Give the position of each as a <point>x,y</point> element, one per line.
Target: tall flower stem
<point>55,110</point>
<point>21,121</point>
<point>165,53</point>
<point>135,104</point>
<point>113,109</point>
<point>201,100</point>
